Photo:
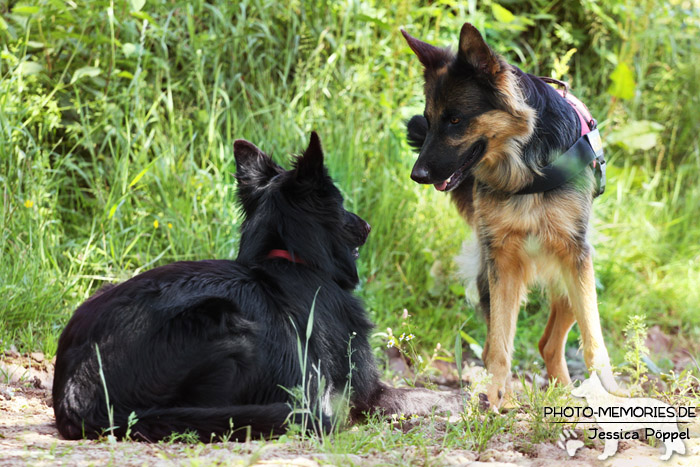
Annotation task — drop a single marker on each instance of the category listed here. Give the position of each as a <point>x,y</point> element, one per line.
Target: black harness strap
<point>587,151</point>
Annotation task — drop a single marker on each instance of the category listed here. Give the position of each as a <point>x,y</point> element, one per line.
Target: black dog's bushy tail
<point>416,131</point>
<point>208,423</point>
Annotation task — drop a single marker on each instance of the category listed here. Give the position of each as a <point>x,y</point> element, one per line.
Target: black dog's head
<point>475,115</point>
<point>299,211</point>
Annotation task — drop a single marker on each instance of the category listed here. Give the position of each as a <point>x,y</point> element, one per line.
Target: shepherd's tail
<point>469,265</point>
<point>209,423</point>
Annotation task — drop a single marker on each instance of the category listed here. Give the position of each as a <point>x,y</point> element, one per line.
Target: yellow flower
<point>170,226</point>
<point>155,224</point>
<point>29,203</point>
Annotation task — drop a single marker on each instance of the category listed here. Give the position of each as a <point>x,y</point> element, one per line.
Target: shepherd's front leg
<point>580,283</point>
<point>507,288</point>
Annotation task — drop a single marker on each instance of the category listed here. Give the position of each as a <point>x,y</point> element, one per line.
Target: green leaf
<point>622,82</point>
<point>382,24</point>
<point>25,10</point>
<point>457,290</point>
<point>144,16</point>
<point>473,344</point>
<point>112,211</point>
<point>89,71</point>
<point>139,176</point>
<point>29,68</point>
<point>136,5</point>
<point>502,15</point>
<point>467,337</point>
<point>129,49</point>
<point>636,135</point>
<point>310,323</point>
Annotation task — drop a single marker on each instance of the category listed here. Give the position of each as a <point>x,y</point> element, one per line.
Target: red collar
<point>284,254</point>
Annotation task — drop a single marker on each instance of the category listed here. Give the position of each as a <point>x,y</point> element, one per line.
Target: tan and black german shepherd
<point>488,133</point>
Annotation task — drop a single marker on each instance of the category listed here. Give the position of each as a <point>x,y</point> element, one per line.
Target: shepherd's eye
<point>455,120</point>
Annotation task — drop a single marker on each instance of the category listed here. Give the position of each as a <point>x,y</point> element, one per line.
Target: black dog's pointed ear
<point>430,56</point>
<point>310,164</point>
<point>252,165</point>
<point>474,51</point>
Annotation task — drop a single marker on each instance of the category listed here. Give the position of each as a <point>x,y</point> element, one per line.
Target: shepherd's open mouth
<point>470,157</point>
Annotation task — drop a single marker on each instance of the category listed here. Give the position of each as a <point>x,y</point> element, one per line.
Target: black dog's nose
<point>420,174</point>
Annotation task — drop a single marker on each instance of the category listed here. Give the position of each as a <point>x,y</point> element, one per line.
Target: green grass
<point>110,123</point>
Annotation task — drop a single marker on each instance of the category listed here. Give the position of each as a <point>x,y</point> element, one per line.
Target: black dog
<point>210,345</point>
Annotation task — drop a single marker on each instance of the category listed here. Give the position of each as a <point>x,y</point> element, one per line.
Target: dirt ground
<point>28,436</point>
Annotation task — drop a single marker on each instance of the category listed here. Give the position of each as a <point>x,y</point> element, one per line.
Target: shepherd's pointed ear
<point>310,164</point>
<point>430,56</point>
<point>253,166</point>
<point>474,51</point>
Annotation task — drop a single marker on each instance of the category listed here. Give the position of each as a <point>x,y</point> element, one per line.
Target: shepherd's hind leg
<point>553,342</point>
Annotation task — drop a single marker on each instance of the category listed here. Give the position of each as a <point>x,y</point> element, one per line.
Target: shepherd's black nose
<point>420,174</point>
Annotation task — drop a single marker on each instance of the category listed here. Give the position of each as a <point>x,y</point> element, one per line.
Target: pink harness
<point>581,110</point>
<point>587,151</point>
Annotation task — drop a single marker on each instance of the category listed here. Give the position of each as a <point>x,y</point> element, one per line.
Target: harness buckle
<point>598,163</point>
<point>599,172</point>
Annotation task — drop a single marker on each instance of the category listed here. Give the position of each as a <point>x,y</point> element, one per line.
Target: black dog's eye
<point>455,120</point>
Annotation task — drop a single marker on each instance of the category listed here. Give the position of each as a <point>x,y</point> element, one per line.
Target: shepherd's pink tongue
<point>441,186</point>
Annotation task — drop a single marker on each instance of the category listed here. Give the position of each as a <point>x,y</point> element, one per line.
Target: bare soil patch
<point>28,436</point>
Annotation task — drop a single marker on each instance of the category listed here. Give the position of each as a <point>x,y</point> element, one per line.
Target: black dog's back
<point>192,345</point>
